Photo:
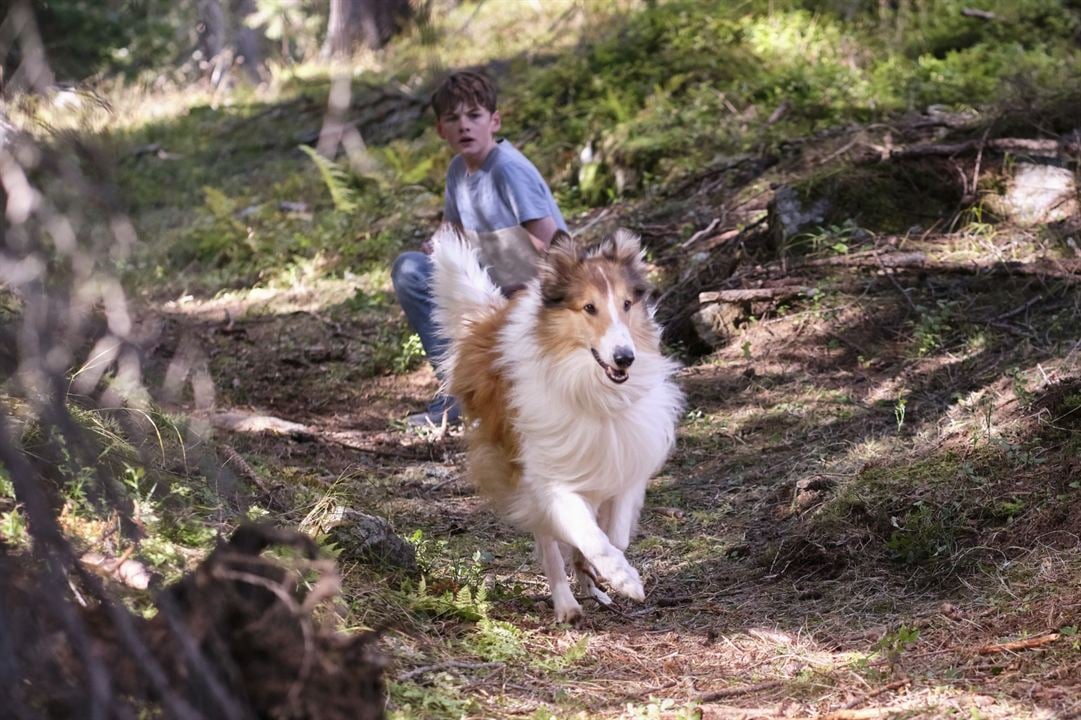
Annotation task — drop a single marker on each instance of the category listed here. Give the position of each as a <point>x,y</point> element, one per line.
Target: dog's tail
<point>462,290</point>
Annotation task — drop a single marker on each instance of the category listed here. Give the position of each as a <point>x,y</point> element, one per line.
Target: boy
<point>496,195</point>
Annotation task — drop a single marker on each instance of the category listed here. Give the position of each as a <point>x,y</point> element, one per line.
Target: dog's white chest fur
<point>578,431</point>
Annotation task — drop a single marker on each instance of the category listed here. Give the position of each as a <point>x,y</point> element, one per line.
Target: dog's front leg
<point>566,607</point>
<point>573,523</point>
<point>619,516</point>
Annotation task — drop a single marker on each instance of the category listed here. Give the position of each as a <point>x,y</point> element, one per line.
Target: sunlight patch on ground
<point>296,292</point>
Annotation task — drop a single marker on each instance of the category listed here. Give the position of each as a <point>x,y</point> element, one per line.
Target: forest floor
<point>871,511</point>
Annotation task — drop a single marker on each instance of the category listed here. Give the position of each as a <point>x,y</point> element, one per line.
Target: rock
<point>369,539</point>
<point>788,216</point>
<point>716,323</point>
<point>1038,194</point>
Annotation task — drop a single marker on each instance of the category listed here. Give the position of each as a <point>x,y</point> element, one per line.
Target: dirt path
<point>747,614</point>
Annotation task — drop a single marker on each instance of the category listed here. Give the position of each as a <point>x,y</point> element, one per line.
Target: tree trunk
<point>367,23</point>
<point>250,42</point>
<point>226,40</point>
<point>338,42</point>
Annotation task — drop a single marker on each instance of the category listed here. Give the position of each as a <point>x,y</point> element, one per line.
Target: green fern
<point>336,179</point>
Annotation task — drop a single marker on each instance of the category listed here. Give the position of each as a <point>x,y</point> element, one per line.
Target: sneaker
<point>441,410</point>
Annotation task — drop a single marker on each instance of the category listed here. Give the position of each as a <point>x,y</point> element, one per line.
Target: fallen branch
<point>1060,269</point>
<point>246,470</point>
<point>1028,644</point>
<point>749,295</point>
<point>1031,146</point>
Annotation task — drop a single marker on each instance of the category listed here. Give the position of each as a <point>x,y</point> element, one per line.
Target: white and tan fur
<point>571,403</point>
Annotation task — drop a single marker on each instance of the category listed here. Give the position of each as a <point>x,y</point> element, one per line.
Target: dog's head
<point>593,302</point>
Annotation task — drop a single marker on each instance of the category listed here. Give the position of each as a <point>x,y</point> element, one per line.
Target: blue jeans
<point>412,278</point>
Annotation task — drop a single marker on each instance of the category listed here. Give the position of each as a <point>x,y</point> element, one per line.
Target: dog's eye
<point>590,308</point>
<point>627,305</point>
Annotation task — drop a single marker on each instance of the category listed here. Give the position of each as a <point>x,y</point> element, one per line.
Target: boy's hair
<point>464,88</point>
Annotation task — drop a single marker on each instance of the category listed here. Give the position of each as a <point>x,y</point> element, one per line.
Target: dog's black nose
<point>623,357</point>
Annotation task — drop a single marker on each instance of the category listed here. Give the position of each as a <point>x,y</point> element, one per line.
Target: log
<point>1032,146</point>
<point>1065,269</point>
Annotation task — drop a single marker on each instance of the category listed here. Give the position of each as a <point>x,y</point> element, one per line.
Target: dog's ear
<point>562,237</point>
<point>556,267</point>
<point>624,247</point>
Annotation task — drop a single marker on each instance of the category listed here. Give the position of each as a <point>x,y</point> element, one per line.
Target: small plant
<point>13,527</point>
<point>337,180</point>
<point>569,657</point>
<point>899,412</point>
<point>438,698</point>
<point>893,644</point>
<point>925,534</point>
<point>409,356</point>
<point>836,238</point>
<point>497,641</point>
<point>449,586</point>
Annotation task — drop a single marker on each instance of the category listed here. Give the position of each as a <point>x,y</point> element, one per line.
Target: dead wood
<point>235,638</point>
<point>753,294</point>
<point>1027,644</point>
<point>1069,270</point>
<point>1030,146</point>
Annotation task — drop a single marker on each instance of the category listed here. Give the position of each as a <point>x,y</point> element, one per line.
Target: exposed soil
<point>768,593</point>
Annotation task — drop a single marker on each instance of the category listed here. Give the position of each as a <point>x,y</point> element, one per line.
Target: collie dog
<point>570,405</point>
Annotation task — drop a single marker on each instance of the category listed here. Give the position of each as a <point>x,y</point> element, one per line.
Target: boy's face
<point>470,132</point>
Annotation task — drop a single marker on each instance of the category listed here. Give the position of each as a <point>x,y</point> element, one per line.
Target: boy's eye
<point>627,304</point>
<point>590,308</point>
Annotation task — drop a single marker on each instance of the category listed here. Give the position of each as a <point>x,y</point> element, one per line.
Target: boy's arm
<point>541,231</point>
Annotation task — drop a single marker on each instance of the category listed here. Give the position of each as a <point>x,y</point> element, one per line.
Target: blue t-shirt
<point>506,191</point>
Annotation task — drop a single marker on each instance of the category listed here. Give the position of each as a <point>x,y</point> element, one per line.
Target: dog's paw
<point>567,612</point>
<point>600,596</point>
<point>566,606</point>
<point>620,576</point>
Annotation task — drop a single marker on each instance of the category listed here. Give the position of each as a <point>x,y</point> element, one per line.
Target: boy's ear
<point>556,268</point>
<point>497,121</point>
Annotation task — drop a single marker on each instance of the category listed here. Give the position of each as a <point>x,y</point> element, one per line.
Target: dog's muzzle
<point>623,359</point>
